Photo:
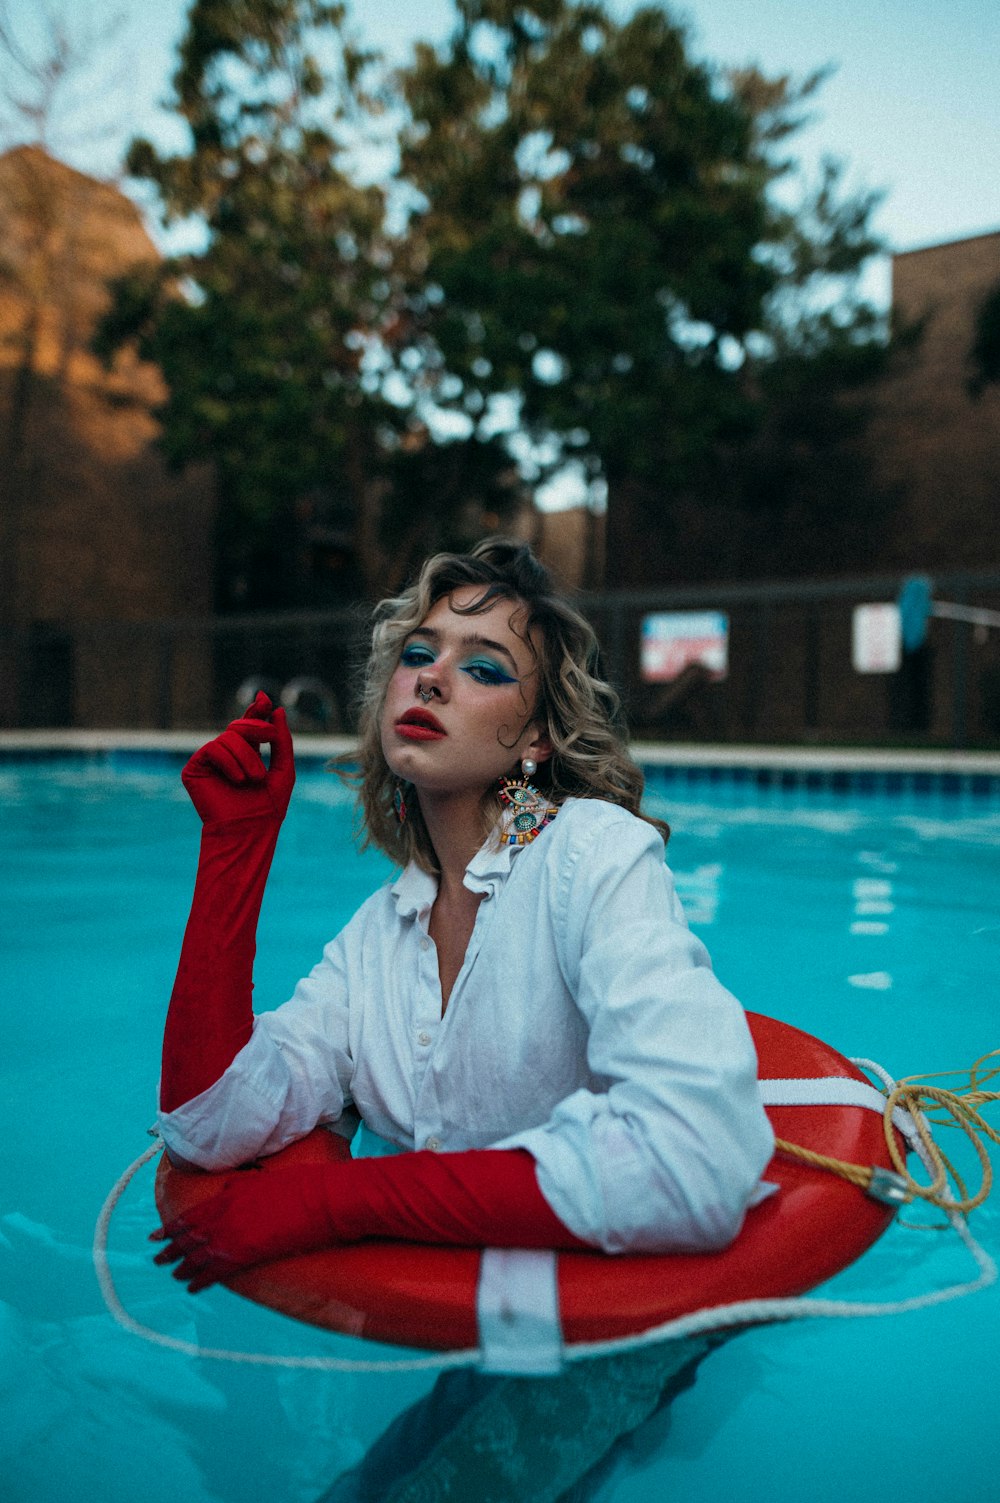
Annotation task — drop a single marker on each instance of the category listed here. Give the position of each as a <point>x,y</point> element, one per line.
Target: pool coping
<point>651,754</point>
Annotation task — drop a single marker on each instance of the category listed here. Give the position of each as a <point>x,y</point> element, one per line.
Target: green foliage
<point>578,221</point>
<point>607,224</point>
<point>270,337</point>
<point>602,252</point>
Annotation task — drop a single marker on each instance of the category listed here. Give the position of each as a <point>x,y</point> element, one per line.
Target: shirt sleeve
<point>666,1153</point>
<point>292,1075</point>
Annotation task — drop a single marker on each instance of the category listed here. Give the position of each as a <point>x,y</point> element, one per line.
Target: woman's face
<point>474,720</point>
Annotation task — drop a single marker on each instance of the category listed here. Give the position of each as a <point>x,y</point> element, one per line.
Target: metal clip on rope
<point>889,1188</point>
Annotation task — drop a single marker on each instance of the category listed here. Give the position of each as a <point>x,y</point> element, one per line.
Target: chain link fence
<point>790,678</point>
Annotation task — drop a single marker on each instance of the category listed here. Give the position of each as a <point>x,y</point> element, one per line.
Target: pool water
<point>872,921</point>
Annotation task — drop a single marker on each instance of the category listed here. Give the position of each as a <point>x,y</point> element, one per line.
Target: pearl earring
<point>529,767</point>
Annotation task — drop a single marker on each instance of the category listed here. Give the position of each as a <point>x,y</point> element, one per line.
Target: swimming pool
<point>870,916</point>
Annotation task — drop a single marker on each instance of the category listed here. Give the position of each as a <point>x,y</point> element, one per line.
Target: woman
<point>523,1010</point>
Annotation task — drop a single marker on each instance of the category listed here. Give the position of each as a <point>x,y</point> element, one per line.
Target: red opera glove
<point>242,804</point>
<point>479,1198</point>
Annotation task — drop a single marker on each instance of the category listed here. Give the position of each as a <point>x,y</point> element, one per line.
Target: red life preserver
<point>419,1296</point>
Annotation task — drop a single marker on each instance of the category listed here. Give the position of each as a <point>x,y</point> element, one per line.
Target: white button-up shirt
<point>586,1025</point>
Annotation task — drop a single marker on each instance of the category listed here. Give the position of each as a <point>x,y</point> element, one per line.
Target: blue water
<point>871,920</point>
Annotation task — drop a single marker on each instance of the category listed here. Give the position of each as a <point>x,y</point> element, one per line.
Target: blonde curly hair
<point>581,712</point>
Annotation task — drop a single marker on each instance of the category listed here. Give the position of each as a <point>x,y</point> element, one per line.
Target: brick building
<point>94,528</point>
<point>938,445</point>
<point>935,442</point>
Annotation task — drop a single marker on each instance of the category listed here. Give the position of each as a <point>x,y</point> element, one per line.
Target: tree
<point>605,247</point>
<point>272,335</point>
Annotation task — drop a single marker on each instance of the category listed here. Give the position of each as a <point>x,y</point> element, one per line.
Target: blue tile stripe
<point>840,781</point>
<point>678,779</point>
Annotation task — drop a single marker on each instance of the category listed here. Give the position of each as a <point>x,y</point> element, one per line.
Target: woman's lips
<point>420,725</point>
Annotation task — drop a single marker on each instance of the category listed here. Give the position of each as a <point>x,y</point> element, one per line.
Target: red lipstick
<point>420,725</point>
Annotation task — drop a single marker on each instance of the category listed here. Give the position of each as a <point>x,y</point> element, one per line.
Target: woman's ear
<point>539,748</point>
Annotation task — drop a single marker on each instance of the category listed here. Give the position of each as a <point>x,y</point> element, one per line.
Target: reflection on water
<point>872,895</point>
<point>524,1440</point>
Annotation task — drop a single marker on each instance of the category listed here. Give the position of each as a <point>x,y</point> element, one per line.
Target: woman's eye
<point>488,673</point>
<point>415,655</point>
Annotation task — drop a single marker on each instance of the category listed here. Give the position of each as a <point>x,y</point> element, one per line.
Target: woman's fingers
<point>228,779</point>
<point>180,1239</point>
<point>252,731</point>
<point>261,707</point>
<point>281,768</point>
<point>282,759</point>
<point>196,1281</point>
<point>241,740</point>
<point>198,1264</point>
<point>233,755</point>
<point>230,756</point>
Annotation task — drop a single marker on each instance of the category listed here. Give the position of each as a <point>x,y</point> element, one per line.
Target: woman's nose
<point>433,681</point>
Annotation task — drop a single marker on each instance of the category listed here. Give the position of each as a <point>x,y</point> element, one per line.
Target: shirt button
<point>433,1144</point>
<point>423,1038</point>
<point>425,944</point>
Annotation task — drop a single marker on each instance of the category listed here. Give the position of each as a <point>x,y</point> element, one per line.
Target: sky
<point>913,106</point>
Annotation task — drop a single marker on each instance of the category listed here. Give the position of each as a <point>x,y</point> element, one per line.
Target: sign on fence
<point>671,640</point>
<point>876,639</point>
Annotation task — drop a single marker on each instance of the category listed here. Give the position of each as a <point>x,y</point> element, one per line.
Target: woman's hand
<point>256,1217</point>
<point>226,779</point>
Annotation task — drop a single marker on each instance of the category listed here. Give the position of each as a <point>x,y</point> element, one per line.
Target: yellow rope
<point>949,1108</point>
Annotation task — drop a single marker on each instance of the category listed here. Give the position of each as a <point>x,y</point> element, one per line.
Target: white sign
<point>671,640</point>
<point>876,639</point>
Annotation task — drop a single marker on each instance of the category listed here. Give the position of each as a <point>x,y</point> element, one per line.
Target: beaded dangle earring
<point>526,812</point>
<point>399,803</point>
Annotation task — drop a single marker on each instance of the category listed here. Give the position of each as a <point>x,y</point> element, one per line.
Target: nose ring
<point>425,694</point>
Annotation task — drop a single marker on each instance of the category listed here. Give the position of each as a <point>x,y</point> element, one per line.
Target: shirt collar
<point>490,866</point>
<point>414,890</point>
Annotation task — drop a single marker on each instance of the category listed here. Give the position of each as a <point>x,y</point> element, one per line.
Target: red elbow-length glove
<point>479,1198</point>
<point>242,804</point>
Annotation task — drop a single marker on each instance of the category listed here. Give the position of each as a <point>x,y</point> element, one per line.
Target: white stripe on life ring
<point>832,1090</point>
<point>517,1307</point>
